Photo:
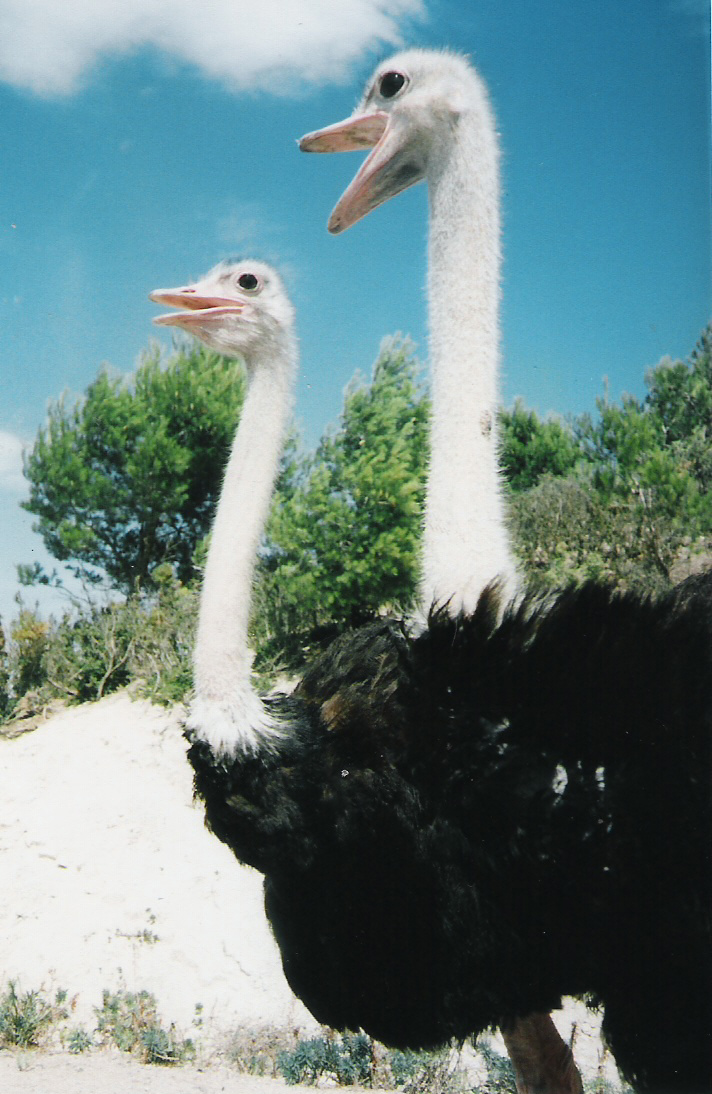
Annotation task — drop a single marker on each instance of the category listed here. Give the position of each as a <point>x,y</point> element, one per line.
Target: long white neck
<point>226,710</point>
<point>466,544</point>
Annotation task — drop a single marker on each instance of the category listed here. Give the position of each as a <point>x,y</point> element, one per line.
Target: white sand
<point>118,1073</point>
<point>109,878</point>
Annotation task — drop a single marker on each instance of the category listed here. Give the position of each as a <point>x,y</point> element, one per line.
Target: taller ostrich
<point>458,828</point>
<point>428,116</point>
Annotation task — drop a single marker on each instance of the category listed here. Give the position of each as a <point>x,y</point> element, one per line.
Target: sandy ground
<point>114,1073</point>
<point>109,880</point>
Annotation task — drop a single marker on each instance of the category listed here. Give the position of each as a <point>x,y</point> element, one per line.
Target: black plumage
<point>459,828</point>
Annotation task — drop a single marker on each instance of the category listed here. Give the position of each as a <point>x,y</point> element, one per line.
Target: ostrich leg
<point>543,1063</point>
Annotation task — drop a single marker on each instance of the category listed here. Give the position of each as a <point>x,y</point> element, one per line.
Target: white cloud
<point>11,478</point>
<point>47,46</point>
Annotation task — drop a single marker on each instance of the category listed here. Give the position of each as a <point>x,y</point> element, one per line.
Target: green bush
<point>27,1017</point>
<point>347,1059</point>
<point>29,637</point>
<point>95,649</point>
<point>78,1041</point>
<point>130,1021</point>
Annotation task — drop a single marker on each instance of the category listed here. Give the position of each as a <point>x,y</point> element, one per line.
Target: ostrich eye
<point>391,83</point>
<point>248,281</point>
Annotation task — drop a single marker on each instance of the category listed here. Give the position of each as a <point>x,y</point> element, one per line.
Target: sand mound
<point>110,879</point>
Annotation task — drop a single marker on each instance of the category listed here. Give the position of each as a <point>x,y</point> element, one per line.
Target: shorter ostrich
<point>460,827</point>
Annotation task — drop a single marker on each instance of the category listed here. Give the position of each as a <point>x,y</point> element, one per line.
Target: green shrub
<point>27,1017</point>
<point>78,1041</point>
<point>28,643</point>
<point>94,650</point>
<point>130,1021</point>
<point>4,677</point>
<point>347,1059</point>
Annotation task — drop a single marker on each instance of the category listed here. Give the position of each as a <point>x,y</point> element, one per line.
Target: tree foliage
<point>126,478</point>
<point>531,448</point>
<point>342,541</point>
<point>637,502</point>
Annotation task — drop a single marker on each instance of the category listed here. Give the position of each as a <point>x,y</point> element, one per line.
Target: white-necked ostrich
<point>428,117</point>
<point>457,828</point>
<point>241,310</point>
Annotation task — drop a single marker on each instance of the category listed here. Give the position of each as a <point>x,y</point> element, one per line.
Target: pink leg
<point>542,1061</point>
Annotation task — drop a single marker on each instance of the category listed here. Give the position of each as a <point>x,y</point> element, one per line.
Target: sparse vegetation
<point>353,1059</point>
<point>257,1051</point>
<point>500,1073</point>
<point>27,1018</point>
<point>78,1041</point>
<point>426,1072</point>
<point>345,1059</point>
<point>129,1020</point>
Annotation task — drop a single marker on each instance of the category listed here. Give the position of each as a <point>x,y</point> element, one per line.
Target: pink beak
<point>197,308</point>
<point>380,177</point>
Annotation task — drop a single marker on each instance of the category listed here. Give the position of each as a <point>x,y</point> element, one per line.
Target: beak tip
<point>335,224</point>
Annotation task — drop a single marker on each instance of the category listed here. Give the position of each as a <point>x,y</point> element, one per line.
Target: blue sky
<point>142,142</point>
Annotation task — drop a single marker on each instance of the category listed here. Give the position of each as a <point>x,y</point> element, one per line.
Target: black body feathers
<point>461,827</point>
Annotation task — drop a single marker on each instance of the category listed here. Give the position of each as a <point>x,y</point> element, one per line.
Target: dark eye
<point>391,83</point>
<point>248,281</point>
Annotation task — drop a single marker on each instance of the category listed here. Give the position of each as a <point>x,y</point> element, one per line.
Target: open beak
<point>197,308</point>
<point>382,175</point>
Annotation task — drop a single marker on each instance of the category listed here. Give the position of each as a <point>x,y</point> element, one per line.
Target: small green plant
<point>160,1046</point>
<point>78,1041</point>
<point>347,1059</point>
<point>130,1021</point>
<point>27,1017</point>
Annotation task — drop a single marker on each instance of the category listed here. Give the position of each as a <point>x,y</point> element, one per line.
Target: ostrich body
<point>459,827</point>
<point>431,873</point>
<point>427,116</point>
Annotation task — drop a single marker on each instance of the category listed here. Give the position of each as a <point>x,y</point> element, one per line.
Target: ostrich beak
<point>198,307</point>
<point>382,175</point>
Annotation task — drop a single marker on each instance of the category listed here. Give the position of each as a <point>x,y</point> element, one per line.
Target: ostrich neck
<point>222,659</point>
<point>465,537</point>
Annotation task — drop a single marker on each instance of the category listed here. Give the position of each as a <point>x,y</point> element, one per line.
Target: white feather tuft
<point>238,725</point>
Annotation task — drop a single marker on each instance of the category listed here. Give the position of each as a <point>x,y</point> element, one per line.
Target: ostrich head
<point>234,308</point>
<point>409,115</point>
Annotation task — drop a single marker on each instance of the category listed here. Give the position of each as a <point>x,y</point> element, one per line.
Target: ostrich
<point>428,116</point>
<point>458,827</point>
